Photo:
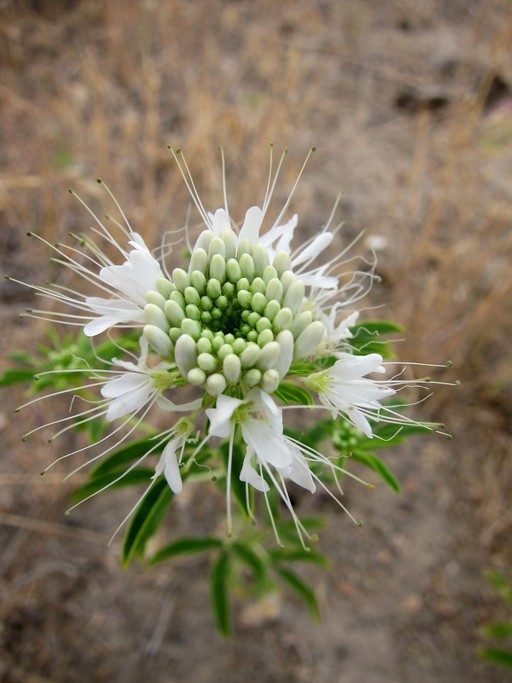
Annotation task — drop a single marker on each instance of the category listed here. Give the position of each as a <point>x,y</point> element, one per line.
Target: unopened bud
<point>198,261</point>
<point>270,381</point>
<point>309,339</point>
<point>216,248</point>
<point>274,290</point>
<point>196,376</point>
<point>247,266</point>
<point>268,356</point>
<point>191,296</point>
<point>294,297</point>
<point>260,258</point>
<point>207,362</point>
<point>215,384</point>
<point>233,270</point>
<point>258,302</point>
<point>250,355</point>
<point>229,239</point>
<point>285,357</point>
<point>252,377</point>
<point>165,287</point>
<point>282,320</point>
<point>154,297</point>
<point>185,354</point>
<point>218,267</point>
<point>158,340</point>
<point>300,322</point>
<point>154,315</point>
<point>180,279</point>
<point>231,368</point>
<point>198,281</point>
<point>282,262</point>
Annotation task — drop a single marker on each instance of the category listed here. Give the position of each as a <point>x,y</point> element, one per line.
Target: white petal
<point>221,415</point>
<point>318,245</point>
<point>252,222</point>
<point>171,467</point>
<point>249,475</point>
<point>128,403</point>
<point>350,367</point>
<point>269,446</point>
<point>127,382</point>
<point>299,472</point>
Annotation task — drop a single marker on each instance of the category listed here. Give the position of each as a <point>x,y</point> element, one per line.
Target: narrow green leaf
<point>250,558</point>
<point>376,327</point>
<point>124,455</point>
<point>145,520</point>
<point>140,475</point>
<point>16,375</point>
<point>301,588</point>
<point>300,555</point>
<point>502,586</point>
<point>498,656</point>
<point>219,593</point>
<point>377,465</point>
<point>498,630</point>
<point>288,393</point>
<point>186,546</point>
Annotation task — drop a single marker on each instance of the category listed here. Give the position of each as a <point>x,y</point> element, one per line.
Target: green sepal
<point>186,546</point>
<point>145,520</point>
<point>287,392</point>
<point>219,592</point>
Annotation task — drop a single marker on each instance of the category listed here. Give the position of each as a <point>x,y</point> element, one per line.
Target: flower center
<point>223,320</point>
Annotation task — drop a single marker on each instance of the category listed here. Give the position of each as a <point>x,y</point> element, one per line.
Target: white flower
<point>344,388</point>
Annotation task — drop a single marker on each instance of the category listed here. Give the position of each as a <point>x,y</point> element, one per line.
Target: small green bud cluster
<point>234,318</point>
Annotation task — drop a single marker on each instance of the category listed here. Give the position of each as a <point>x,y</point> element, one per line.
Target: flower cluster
<point>246,318</point>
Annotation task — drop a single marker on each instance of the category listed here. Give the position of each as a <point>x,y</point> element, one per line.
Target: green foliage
<point>499,630</point>
<point>219,592</point>
<point>287,392</point>
<point>366,337</point>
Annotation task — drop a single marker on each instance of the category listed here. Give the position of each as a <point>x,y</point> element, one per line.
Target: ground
<point>409,105</point>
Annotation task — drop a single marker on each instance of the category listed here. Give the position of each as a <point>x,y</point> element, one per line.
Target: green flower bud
<point>154,315</point>
<point>258,302</point>
<point>244,247</point>
<point>218,267</point>
<point>213,288</point>
<point>300,322</point>
<point>253,318</point>
<point>207,362</point>
<point>191,327</point>
<point>229,239</point>
<point>252,377</point>
<point>287,279</point>
<point>228,290</point>
<point>272,309</point>
<point>203,345</point>
<point>206,304</point>
<point>263,324</point>
<point>265,337</point>
<point>250,355</point>
<point>252,336</point>
<point>225,350</point>
<point>207,334</point>
<point>270,381</point>
<point>221,302</point>
<point>268,356</point>
<point>204,239</point>
<point>247,266</point>
<point>243,283</point>
<point>193,312</point>
<point>233,270</point>
<point>217,342</point>
<point>191,296</point>
<point>244,298</point>
<point>154,297</point>
<point>294,297</point>
<point>198,261</point>
<point>216,248</point>
<point>178,298</point>
<point>282,262</point>
<point>309,339</point>
<point>185,354</point>
<point>215,384</point>
<point>260,258</point>
<point>175,333</point>
<point>229,338</point>
<point>165,287</point>
<point>206,317</point>
<point>269,274</point>
<point>239,345</point>
<point>216,313</point>
<point>196,376</point>
<point>158,340</point>
<point>231,368</point>
<point>274,290</point>
<point>180,279</point>
<point>198,281</point>
<point>258,285</point>
<point>282,320</point>
<point>285,357</point>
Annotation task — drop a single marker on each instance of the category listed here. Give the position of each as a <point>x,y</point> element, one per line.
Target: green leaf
<point>502,586</point>
<point>140,475</point>
<point>146,519</point>
<point>16,375</point>
<point>498,630</point>
<point>300,555</point>
<point>288,393</point>
<point>301,588</point>
<point>377,465</point>
<point>250,559</point>
<point>126,454</point>
<point>219,593</point>
<point>186,546</point>
<point>498,656</point>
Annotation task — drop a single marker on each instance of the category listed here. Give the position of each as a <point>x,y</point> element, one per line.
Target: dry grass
<point>96,89</point>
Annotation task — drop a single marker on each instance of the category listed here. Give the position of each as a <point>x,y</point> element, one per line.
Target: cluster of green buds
<point>237,318</point>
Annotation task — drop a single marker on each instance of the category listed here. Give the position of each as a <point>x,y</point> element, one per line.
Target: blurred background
<point>410,107</point>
